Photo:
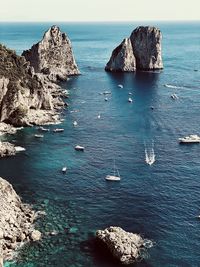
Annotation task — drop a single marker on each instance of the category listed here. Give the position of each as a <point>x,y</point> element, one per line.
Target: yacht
<point>79,148</point>
<point>193,138</point>
<point>106,99</point>
<point>39,135</point>
<point>120,86</point>
<point>115,176</point>
<point>99,116</point>
<point>130,100</point>
<point>42,129</point>
<point>58,130</point>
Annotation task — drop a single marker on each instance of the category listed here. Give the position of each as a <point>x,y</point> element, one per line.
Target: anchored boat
<point>115,176</point>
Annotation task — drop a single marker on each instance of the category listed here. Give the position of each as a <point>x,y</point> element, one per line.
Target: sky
<point>99,10</point>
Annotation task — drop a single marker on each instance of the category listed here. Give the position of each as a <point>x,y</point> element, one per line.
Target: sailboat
<point>115,176</point>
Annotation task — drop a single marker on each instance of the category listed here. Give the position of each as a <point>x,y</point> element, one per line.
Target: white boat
<point>58,130</point>
<point>130,93</point>
<point>106,99</point>
<point>99,116</point>
<point>115,176</point>
<point>75,123</point>
<point>120,86</point>
<point>79,148</point>
<point>39,135</point>
<point>42,129</point>
<point>130,100</point>
<point>193,138</point>
<point>19,148</point>
<point>64,169</point>
<point>107,93</point>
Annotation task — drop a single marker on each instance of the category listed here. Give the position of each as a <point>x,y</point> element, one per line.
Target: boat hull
<point>112,178</point>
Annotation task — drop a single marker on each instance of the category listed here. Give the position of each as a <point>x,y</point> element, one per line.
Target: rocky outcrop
<point>23,92</point>
<point>53,55</point>
<point>16,221</point>
<point>122,58</point>
<point>142,51</point>
<point>124,246</point>
<point>146,42</point>
<point>7,149</point>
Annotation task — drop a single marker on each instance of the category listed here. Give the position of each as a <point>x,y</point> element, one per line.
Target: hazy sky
<point>99,10</point>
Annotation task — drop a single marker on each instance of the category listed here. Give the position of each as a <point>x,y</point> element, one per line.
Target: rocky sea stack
<point>16,222</point>
<point>53,55</point>
<point>141,51</point>
<point>124,246</point>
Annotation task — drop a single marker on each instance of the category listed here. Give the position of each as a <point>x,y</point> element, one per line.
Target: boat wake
<point>150,157</point>
<point>174,86</point>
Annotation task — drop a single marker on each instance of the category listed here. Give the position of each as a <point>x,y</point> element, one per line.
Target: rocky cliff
<point>122,58</point>
<point>16,222</point>
<point>142,51</point>
<point>23,94</point>
<point>53,55</point>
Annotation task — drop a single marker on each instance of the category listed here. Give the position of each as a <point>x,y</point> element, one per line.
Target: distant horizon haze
<point>98,11</point>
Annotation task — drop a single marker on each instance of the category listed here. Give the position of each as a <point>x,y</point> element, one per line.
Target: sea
<point>159,200</point>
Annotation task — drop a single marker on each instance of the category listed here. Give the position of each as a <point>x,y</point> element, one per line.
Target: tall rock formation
<point>146,42</point>
<point>53,55</point>
<point>122,58</point>
<point>142,51</point>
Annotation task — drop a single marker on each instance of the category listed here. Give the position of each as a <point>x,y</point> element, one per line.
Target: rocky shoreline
<point>16,222</point>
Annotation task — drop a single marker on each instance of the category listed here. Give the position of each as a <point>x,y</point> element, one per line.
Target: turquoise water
<point>161,201</point>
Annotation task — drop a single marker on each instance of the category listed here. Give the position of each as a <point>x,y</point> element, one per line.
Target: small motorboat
<point>79,148</point>
<point>106,99</point>
<point>130,100</point>
<point>75,123</point>
<point>64,169</point>
<point>39,135</point>
<point>19,148</point>
<point>120,86</point>
<point>42,129</point>
<point>130,93</point>
<point>114,177</point>
<point>107,93</point>
<point>99,116</point>
<point>193,138</point>
<point>58,130</point>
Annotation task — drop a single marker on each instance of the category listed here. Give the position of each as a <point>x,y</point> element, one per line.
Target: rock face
<point>7,149</point>
<point>124,246</point>
<point>146,42</point>
<point>142,51</point>
<point>16,221</point>
<point>23,93</point>
<point>122,58</point>
<point>53,55</point>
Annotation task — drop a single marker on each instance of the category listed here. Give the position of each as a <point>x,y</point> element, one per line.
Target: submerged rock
<point>16,221</point>
<point>53,55</point>
<point>142,51</point>
<point>146,42</point>
<point>124,246</point>
<point>122,58</point>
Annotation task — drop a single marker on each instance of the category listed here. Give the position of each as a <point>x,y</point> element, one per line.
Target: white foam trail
<point>173,86</point>
<point>150,158</point>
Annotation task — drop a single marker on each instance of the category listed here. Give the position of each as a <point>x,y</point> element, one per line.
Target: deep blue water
<point>161,201</point>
